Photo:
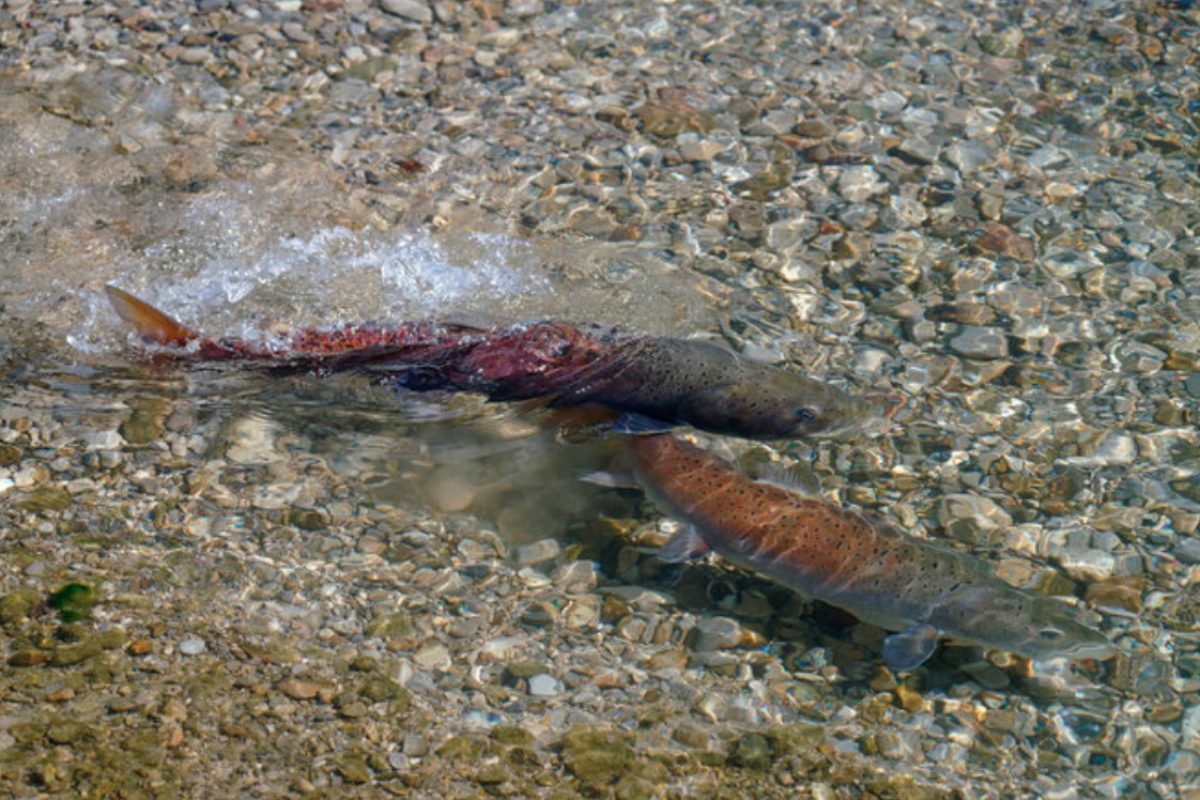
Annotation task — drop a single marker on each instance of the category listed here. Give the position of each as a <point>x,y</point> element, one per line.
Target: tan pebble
<point>174,737</point>
<point>174,709</point>
<point>140,647</point>
<point>672,658</point>
<point>61,696</point>
<point>1002,240</point>
<point>1058,192</point>
<point>883,681</point>
<point>298,689</point>
<point>610,679</point>
<point>910,699</point>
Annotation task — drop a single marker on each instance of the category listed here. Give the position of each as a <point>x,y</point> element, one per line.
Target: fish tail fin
<point>153,325</point>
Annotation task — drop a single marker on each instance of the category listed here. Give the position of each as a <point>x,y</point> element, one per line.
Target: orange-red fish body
<point>868,568</point>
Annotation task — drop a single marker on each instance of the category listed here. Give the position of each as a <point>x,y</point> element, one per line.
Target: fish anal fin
<point>910,649</point>
<point>152,325</point>
<point>686,545</point>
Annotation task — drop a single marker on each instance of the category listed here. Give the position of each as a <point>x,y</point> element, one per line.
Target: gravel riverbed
<point>219,583</point>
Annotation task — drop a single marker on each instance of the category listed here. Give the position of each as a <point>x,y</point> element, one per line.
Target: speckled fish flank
<point>662,380</point>
<point>868,568</point>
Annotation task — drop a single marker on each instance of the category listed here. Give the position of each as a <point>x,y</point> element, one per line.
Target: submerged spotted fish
<point>871,569</point>
<point>658,382</point>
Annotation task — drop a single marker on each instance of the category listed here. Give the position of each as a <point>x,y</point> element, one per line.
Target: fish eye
<point>1050,634</point>
<point>805,414</point>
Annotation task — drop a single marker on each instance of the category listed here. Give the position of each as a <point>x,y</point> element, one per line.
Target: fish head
<point>1057,633</point>
<point>778,404</point>
<point>1032,626</point>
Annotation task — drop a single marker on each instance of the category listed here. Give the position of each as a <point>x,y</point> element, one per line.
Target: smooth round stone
<point>537,552</point>
<point>968,156</point>
<point>858,183</point>
<point>973,518</point>
<point>543,685</point>
<point>195,55</point>
<point>890,102</point>
<point>408,9</point>
<point>1187,550</point>
<point>433,656</point>
<point>192,646</point>
<point>716,633</point>
<point>980,342</point>
<point>103,440</point>
<point>576,576</point>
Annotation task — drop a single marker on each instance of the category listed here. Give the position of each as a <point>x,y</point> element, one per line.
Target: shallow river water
<point>219,581</point>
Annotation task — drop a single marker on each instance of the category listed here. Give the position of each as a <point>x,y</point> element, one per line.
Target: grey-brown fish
<point>871,569</point>
<point>658,382</point>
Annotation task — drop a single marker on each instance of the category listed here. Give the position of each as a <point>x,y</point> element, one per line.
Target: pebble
<point>716,633</point>
<point>973,518</point>
<point>433,656</point>
<point>251,440</point>
<point>1187,550</point>
<point>968,157</point>
<point>980,342</point>
<point>195,55</point>
<point>298,689</point>
<point>1114,448</point>
<point>860,183</point>
<point>700,150</point>
<point>543,685</point>
<point>192,646</point>
<point>536,552</point>
<point>408,9</point>
<point>917,150</point>
<point>576,577</point>
<point>102,440</point>
<point>287,160</point>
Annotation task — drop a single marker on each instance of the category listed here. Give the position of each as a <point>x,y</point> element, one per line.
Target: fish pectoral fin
<point>795,479</point>
<point>684,546</point>
<point>911,648</point>
<point>612,479</point>
<point>635,424</point>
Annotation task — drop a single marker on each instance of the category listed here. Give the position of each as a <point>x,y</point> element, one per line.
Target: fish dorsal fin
<point>152,325</point>
<point>684,546</point>
<point>910,649</point>
<point>797,478</point>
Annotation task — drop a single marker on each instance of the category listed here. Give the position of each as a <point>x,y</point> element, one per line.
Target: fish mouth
<point>865,415</point>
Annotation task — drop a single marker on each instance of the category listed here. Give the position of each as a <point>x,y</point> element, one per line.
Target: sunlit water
<point>272,247</point>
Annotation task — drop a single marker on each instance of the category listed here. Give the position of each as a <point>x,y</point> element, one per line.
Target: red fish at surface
<point>658,382</point>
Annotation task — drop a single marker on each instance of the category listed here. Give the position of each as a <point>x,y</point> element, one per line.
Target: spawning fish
<point>868,568</point>
<point>657,382</point>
